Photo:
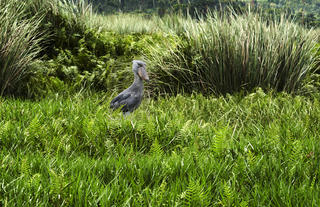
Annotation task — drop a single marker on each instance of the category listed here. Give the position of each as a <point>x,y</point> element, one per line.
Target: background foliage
<point>306,12</point>
<point>82,49</point>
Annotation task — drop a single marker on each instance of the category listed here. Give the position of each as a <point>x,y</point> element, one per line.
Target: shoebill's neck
<point>138,82</point>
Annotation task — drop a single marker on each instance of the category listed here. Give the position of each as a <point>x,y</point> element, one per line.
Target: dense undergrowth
<point>257,150</point>
<point>82,52</point>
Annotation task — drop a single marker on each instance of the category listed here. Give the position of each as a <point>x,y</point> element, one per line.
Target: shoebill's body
<point>130,99</point>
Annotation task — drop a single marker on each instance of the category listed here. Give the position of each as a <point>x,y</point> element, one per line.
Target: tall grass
<point>129,23</point>
<point>223,54</point>
<point>19,44</point>
<point>76,14</point>
<point>257,150</point>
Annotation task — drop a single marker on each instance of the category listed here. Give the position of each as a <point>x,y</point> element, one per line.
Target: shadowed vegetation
<point>218,53</point>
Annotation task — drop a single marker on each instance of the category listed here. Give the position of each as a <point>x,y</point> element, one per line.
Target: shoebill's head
<point>139,69</point>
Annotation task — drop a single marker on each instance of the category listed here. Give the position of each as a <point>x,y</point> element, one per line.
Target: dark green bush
<point>78,53</point>
<point>97,60</point>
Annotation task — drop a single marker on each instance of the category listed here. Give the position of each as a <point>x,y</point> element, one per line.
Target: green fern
<point>294,157</point>
<point>195,156</point>
<point>161,192</point>
<point>251,158</point>
<point>4,128</point>
<point>185,130</point>
<point>227,195</point>
<point>313,181</point>
<point>220,140</point>
<point>273,131</point>
<point>34,128</point>
<point>35,180</point>
<point>57,185</point>
<point>195,195</point>
<point>156,148</point>
<point>296,151</point>
<point>30,180</point>
<point>244,204</point>
<point>90,127</point>
<point>25,168</point>
<point>140,200</point>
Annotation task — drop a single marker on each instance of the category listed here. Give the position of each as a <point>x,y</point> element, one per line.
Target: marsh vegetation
<point>230,116</point>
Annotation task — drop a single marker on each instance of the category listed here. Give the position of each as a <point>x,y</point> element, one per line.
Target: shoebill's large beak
<point>143,74</point>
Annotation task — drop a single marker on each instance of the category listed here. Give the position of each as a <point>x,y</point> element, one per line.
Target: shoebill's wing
<point>128,101</point>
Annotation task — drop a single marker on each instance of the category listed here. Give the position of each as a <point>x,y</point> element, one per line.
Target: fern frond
<point>244,204</point>
<point>163,186</point>
<point>195,156</point>
<point>57,184</point>
<point>313,181</point>
<point>161,191</point>
<point>25,168</point>
<point>35,180</point>
<point>140,200</point>
<point>156,148</point>
<point>250,157</point>
<point>185,130</point>
<point>195,195</point>
<point>227,192</point>
<point>219,142</point>
<point>296,151</point>
<point>34,128</point>
<point>90,127</point>
<point>4,128</point>
<point>191,193</point>
<point>227,195</point>
<point>273,131</point>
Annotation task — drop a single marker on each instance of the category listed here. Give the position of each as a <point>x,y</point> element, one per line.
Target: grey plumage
<point>131,98</point>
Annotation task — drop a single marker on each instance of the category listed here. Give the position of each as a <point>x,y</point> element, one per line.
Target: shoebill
<point>130,99</point>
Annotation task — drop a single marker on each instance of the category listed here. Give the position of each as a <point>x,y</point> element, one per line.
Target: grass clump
<point>225,54</point>
<point>19,44</point>
<point>123,23</point>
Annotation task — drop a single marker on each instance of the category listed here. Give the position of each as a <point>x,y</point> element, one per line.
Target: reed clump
<point>227,53</point>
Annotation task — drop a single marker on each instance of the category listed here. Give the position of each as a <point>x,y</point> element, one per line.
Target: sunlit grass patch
<point>260,149</point>
<point>129,23</point>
